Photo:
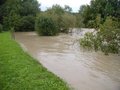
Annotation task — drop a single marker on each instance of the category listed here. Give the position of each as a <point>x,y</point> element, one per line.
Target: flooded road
<point>81,69</point>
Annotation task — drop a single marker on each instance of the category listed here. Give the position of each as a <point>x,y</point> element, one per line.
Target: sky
<point>74,4</point>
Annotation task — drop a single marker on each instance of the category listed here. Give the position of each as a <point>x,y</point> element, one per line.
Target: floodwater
<point>81,69</point>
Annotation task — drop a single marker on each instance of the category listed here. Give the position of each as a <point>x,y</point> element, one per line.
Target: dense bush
<point>1,28</point>
<point>68,21</point>
<point>27,23</point>
<point>99,9</point>
<point>106,39</point>
<point>19,14</point>
<point>46,25</point>
<point>11,20</point>
<point>63,17</point>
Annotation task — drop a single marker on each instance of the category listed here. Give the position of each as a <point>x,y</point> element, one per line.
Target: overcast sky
<point>75,4</point>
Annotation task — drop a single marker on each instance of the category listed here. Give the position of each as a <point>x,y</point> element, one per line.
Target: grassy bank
<point>19,71</point>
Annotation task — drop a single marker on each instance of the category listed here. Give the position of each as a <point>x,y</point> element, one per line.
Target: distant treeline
<point>98,11</point>
<point>18,14</point>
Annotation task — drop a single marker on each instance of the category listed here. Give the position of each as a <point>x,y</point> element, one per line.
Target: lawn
<point>19,71</point>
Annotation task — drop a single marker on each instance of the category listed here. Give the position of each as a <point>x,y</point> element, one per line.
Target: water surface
<point>81,69</point>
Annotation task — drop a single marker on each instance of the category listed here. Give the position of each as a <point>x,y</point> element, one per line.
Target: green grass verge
<point>19,71</point>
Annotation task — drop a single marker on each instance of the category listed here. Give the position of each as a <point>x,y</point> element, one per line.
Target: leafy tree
<point>45,25</point>
<point>68,21</point>
<point>27,23</point>
<point>29,7</point>
<point>1,28</point>
<point>63,17</point>
<point>106,39</point>
<point>67,8</point>
<point>56,9</point>
<point>88,19</point>
<point>14,11</point>
<point>103,8</point>
<point>110,34</point>
<point>2,10</point>
<point>12,20</point>
<point>79,20</point>
<point>97,21</point>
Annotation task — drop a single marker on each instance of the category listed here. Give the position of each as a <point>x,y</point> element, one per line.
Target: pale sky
<point>74,4</point>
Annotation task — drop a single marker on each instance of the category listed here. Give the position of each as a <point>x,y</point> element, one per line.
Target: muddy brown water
<point>81,69</point>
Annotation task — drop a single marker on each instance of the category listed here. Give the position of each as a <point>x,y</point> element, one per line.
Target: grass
<point>19,71</point>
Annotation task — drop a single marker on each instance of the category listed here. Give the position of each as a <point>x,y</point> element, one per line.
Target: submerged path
<point>81,69</point>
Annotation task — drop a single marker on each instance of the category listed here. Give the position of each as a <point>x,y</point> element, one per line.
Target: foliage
<point>12,13</point>
<point>1,28</point>
<point>27,23</point>
<point>29,7</point>
<point>79,21</point>
<point>106,39</point>
<point>56,9</point>
<point>63,17</point>
<point>90,41</point>
<point>19,71</point>
<point>104,16</point>
<point>97,22</point>
<point>67,8</point>
<point>46,25</point>
<point>110,34</point>
<point>103,8</point>
<point>12,20</point>
<point>87,16</point>
<point>2,2</point>
<point>68,21</point>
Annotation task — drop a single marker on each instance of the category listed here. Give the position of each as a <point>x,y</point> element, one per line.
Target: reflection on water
<point>82,69</point>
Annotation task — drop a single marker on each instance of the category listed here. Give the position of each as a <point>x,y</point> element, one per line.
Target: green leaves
<point>45,25</point>
<point>1,28</point>
<point>103,8</point>
<point>19,14</point>
<point>106,39</point>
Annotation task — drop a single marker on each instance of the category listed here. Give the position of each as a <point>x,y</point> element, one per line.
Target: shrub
<point>11,20</point>
<point>1,28</point>
<point>45,25</point>
<point>64,19</point>
<point>27,23</point>
<point>68,21</point>
<point>24,23</point>
<point>106,39</point>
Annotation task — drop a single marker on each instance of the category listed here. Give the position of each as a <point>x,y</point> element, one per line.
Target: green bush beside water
<point>106,39</point>
<point>46,26</point>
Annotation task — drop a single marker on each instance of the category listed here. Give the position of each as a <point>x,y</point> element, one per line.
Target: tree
<point>103,8</point>
<point>12,20</point>
<point>2,2</point>
<point>68,21</point>
<point>97,22</point>
<point>67,8</point>
<point>45,25</point>
<point>88,19</point>
<point>104,15</point>
<point>1,28</point>
<point>19,14</point>
<point>29,7</point>
<point>63,17</point>
<point>56,9</point>
<point>106,39</point>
